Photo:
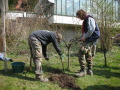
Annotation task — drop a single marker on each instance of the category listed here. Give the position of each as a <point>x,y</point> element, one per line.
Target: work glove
<point>62,57</point>
<point>47,58</point>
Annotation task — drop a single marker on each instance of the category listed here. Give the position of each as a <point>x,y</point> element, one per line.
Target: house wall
<point>52,1</point>
<point>64,20</point>
<point>14,15</point>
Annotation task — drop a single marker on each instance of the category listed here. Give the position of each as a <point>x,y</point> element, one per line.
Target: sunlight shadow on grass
<point>22,75</point>
<point>102,87</point>
<point>106,71</point>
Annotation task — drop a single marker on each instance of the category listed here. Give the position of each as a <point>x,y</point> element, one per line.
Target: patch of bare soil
<point>64,81</point>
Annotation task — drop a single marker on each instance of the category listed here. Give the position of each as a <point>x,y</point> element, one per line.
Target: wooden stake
<point>3,33</point>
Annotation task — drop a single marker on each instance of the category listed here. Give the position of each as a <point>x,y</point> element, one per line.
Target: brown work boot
<point>81,73</point>
<point>89,72</point>
<point>41,78</point>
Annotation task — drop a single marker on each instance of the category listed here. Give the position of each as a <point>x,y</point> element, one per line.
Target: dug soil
<point>65,81</point>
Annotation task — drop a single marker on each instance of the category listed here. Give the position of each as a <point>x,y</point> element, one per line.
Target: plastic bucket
<point>18,67</point>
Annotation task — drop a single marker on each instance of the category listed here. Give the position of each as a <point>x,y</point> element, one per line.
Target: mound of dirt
<point>64,81</point>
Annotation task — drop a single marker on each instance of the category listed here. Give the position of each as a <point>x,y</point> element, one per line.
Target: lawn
<point>104,78</point>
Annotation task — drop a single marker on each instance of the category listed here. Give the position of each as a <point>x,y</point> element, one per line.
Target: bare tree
<point>104,13</point>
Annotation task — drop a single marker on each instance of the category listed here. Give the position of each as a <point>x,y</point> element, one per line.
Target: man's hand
<point>62,57</point>
<point>82,39</point>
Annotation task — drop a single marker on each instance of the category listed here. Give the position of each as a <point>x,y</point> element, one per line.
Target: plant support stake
<point>3,33</point>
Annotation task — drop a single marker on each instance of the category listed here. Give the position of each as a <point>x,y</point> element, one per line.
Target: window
<point>70,7</point>
<point>82,2</point>
<point>55,7</point>
<point>76,6</point>
<point>63,7</point>
<point>66,7</point>
<point>119,10</point>
<point>59,7</point>
<point>115,6</point>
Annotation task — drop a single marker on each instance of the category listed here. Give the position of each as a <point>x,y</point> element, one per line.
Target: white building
<point>64,11</point>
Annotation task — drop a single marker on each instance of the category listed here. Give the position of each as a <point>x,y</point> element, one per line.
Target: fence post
<point>4,33</point>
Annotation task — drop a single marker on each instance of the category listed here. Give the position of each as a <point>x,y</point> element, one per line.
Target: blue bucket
<point>18,67</point>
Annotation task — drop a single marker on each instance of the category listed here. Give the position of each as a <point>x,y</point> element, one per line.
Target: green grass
<point>104,78</point>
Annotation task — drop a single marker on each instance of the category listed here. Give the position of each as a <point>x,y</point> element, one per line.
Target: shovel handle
<point>62,65</point>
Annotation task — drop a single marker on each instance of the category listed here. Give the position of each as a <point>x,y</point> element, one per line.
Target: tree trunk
<point>69,46</point>
<point>68,58</point>
<point>105,57</point>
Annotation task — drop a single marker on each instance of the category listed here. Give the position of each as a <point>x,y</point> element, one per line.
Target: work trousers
<point>86,52</point>
<point>36,54</point>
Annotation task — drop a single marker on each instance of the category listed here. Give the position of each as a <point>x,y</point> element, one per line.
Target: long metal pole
<point>3,33</point>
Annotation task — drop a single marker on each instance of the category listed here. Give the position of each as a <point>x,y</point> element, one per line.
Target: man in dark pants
<point>90,35</point>
<point>38,41</point>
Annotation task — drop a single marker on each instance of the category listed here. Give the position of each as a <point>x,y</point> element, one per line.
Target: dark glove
<point>62,57</point>
<point>46,58</point>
